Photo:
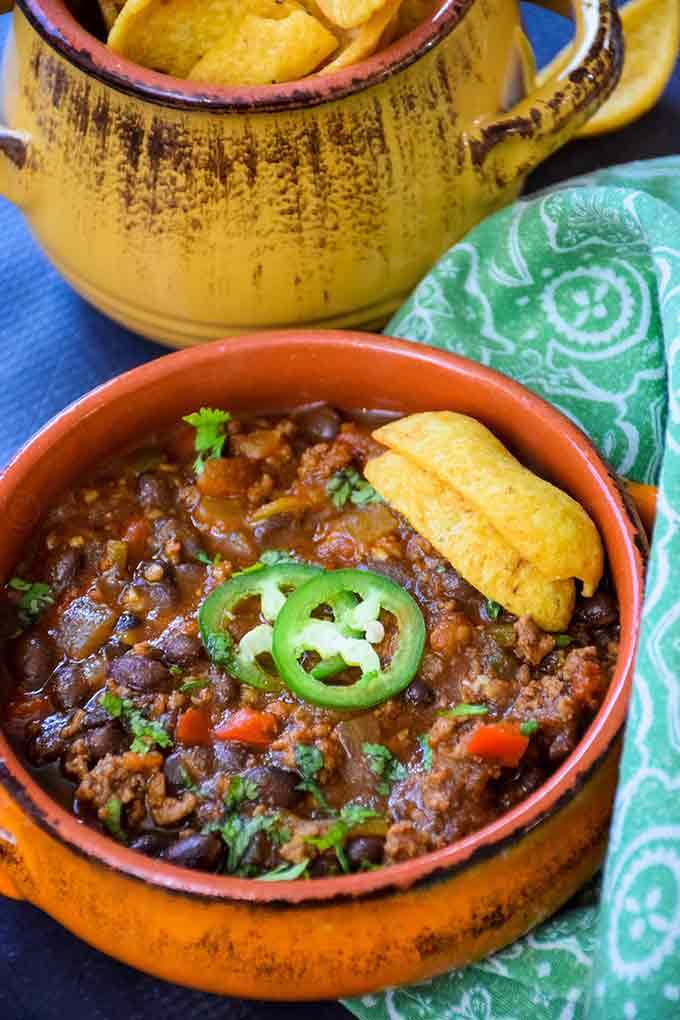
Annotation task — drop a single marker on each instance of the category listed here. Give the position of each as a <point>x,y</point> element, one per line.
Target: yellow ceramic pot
<point>355,933</point>
<point>188,213</point>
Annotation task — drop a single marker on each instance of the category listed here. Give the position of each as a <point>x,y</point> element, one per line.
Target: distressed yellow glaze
<point>189,224</point>
<point>359,944</point>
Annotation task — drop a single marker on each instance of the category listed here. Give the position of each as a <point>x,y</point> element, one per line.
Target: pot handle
<point>10,858</point>
<point>517,141</point>
<point>14,152</point>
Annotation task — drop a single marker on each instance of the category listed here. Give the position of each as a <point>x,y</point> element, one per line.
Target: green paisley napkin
<point>576,293</point>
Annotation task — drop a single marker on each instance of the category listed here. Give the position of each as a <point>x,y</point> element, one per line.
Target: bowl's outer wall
<point>188,225</point>
<point>248,938</point>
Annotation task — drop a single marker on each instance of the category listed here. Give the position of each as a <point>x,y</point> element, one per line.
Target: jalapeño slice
<point>351,636</point>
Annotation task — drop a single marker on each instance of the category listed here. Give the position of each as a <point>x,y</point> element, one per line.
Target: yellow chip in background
<point>260,51</point>
<point>350,13</point>
<point>172,35</point>
<point>362,42</point>
<point>477,550</point>
<point>110,10</point>
<point>541,522</point>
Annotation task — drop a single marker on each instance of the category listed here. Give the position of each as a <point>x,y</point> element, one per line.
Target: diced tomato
<point>137,534</point>
<point>194,727</point>
<point>226,476</point>
<point>501,742</point>
<point>249,727</point>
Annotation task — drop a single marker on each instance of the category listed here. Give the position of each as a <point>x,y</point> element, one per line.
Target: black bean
<point>229,756</point>
<point>70,686</point>
<point>598,611</point>
<point>419,693</point>
<point>106,739</point>
<point>365,848</point>
<point>31,661</point>
<point>276,786</point>
<point>65,568</point>
<point>151,843</point>
<point>153,491</point>
<point>202,852</point>
<point>114,648</point>
<point>175,772</point>
<point>258,854</point>
<point>128,621</point>
<point>180,649</point>
<point>169,529</point>
<point>394,571</point>
<point>139,673</point>
<point>319,424</point>
<point>325,864</point>
<point>46,743</point>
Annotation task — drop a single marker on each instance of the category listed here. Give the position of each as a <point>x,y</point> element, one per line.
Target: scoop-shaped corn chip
<point>476,549</point>
<point>259,51</point>
<point>172,35</point>
<point>350,13</point>
<point>359,43</point>
<point>110,10</point>
<point>541,523</point>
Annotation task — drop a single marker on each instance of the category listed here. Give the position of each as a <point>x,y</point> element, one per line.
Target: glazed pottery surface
<point>337,936</point>
<point>188,213</point>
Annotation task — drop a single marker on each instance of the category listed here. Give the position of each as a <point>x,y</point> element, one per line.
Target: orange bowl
<point>352,934</point>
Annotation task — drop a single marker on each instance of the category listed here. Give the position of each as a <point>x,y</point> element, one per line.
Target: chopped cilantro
<point>35,596</point>
<point>563,640</point>
<point>493,609</point>
<point>146,732</point>
<point>203,557</point>
<point>351,815</point>
<point>237,832</point>
<point>240,790</point>
<point>286,872</point>
<point>269,558</point>
<point>529,727</point>
<point>210,435</point>
<point>195,683</point>
<point>112,819</point>
<point>348,485</point>
<point>176,671</point>
<point>464,709</point>
<point>383,764</point>
<point>309,761</point>
<point>424,742</point>
<point>220,650</point>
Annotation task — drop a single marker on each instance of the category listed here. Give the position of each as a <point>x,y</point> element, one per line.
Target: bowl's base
<point>173,332</point>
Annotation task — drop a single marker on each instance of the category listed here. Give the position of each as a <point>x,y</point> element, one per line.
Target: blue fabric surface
<point>53,348</point>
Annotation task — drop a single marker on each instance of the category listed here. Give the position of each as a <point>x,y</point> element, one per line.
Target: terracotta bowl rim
<point>435,866</point>
<point>55,23</point>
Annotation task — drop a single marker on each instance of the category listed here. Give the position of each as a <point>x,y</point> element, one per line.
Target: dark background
<point>46,973</point>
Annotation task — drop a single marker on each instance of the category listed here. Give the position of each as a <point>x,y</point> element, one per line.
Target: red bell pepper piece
<point>194,727</point>
<point>501,742</point>
<point>249,727</point>
<point>137,534</point>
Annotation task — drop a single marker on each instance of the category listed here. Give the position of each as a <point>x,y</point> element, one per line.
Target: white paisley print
<point>576,293</point>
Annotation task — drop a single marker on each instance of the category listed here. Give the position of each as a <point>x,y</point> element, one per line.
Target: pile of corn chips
<point>255,42</point>
<point>515,537</point>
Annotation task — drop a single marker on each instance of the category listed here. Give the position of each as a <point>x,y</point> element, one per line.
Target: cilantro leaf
<point>348,485</point>
<point>195,683</point>
<point>237,832</point>
<point>220,650</point>
<point>35,596</point>
<point>286,872</point>
<point>210,434</point>
<point>269,558</point>
<point>146,732</point>
<point>383,764</point>
<point>240,790</point>
<point>424,742</point>
<point>351,815</point>
<point>187,780</point>
<point>493,609</point>
<point>563,640</point>
<point>203,557</point>
<point>309,761</point>
<point>112,819</point>
<point>529,727</point>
